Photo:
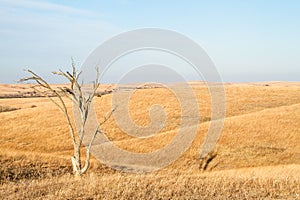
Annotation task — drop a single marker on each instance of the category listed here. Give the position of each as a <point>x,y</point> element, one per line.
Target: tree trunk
<point>76,161</point>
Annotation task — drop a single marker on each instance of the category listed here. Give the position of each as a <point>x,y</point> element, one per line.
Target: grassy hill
<point>258,154</point>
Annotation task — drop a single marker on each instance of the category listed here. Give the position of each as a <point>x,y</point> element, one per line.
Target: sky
<point>248,41</point>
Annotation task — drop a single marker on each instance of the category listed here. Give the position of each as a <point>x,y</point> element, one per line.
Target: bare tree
<point>81,101</point>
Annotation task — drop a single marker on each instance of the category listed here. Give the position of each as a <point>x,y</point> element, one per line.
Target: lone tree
<point>82,103</point>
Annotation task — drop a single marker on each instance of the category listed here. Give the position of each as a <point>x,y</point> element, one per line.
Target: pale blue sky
<point>250,40</point>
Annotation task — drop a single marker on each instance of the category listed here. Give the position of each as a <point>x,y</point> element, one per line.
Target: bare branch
<point>41,82</point>
<point>87,160</point>
<point>108,115</point>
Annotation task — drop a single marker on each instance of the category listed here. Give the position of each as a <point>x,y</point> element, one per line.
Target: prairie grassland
<point>258,154</point>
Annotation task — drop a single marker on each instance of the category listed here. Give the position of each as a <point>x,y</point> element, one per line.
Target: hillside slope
<point>258,153</point>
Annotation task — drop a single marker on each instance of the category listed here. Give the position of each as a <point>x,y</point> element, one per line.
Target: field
<point>258,154</point>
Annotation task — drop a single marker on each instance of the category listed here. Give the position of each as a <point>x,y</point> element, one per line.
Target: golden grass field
<point>258,154</point>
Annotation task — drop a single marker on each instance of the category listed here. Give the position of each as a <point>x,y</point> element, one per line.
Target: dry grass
<point>232,184</point>
<point>258,152</point>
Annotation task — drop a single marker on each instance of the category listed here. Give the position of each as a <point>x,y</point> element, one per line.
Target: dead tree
<point>81,101</point>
